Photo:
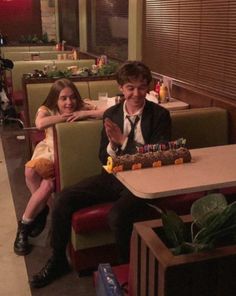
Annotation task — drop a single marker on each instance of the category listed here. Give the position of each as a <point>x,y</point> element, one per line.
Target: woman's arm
<point>86,114</point>
<point>44,119</point>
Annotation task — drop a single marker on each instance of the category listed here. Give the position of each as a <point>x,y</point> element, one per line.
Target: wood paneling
<point>161,273</point>
<point>196,98</point>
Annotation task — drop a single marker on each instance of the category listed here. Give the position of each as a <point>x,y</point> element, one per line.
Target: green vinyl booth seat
<point>31,55</point>
<point>76,157</point>
<point>14,77</point>
<point>24,67</point>
<point>28,48</point>
<point>37,92</point>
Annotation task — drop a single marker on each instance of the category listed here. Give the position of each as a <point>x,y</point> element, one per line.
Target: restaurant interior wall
<point>193,43</point>
<point>49,19</point>
<point>20,17</point>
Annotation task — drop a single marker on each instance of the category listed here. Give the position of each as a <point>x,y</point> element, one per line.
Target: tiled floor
<point>13,273</point>
<point>15,270</point>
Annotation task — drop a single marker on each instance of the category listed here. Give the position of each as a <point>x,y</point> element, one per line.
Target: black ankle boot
<point>21,244</point>
<point>39,223</point>
<point>54,268</point>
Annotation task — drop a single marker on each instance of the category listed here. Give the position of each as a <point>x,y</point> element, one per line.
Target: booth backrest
<point>28,55</point>
<point>24,67</point>
<point>13,49</point>
<point>37,92</point>
<point>77,144</point>
<point>27,48</point>
<point>83,150</point>
<point>202,127</point>
<point>109,86</point>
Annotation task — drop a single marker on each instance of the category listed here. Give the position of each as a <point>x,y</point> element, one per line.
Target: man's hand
<point>114,133</point>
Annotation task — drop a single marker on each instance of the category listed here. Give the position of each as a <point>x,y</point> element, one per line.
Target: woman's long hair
<point>57,87</point>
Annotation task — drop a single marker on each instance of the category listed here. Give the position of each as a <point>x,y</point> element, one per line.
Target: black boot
<point>39,223</point>
<point>54,268</point>
<point>21,244</point>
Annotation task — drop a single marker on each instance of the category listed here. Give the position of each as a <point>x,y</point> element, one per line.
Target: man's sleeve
<point>162,127</point>
<point>103,146</point>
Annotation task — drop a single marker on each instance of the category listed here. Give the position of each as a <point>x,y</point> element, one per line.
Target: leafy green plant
<point>214,222</point>
<point>34,39</point>
<point>108,69</point>
<point>59,74</point>
<point>45,38</point>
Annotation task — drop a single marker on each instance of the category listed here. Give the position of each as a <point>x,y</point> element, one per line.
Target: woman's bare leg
<point>39,199</point>
<point>32,179</point>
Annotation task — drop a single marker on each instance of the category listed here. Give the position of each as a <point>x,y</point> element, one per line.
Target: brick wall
<point>48,18</point>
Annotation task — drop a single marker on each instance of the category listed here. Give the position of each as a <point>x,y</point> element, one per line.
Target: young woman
<point>63,104</point>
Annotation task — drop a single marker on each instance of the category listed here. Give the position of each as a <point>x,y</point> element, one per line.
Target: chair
<point>33,137</point>
<point>91,239</point>
<point>92,242</point>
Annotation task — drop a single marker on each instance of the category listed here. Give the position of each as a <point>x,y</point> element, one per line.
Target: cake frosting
<point>155,155</point>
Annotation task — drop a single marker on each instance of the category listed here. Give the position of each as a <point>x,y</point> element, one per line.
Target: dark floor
<point>16,154</point>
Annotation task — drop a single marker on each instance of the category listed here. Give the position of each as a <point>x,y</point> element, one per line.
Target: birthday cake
<point>155,155</point>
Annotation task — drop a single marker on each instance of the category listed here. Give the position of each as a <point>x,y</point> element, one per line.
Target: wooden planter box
<point>154,270</point>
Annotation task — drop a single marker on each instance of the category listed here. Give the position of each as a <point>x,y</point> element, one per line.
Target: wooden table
<point>172,105</point>
<point>211,168</point>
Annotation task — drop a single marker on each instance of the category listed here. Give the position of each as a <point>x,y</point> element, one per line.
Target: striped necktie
<point>133,125</point>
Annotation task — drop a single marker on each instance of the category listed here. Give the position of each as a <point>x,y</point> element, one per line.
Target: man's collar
<point>139,112</point>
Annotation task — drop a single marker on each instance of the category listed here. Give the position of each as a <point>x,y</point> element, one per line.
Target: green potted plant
<point>214,224</point>
<point>193,255</point>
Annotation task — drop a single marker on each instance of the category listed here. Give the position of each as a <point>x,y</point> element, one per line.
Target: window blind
<point>193,41</point>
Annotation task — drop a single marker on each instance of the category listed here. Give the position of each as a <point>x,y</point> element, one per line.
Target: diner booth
<point>190,51</point>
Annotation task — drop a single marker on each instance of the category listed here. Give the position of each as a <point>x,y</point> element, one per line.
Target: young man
<point>133,122</point>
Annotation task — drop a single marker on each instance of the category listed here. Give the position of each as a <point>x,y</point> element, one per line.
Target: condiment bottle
<point>75,56</point>
<point>157,87</point>
<point>163,94</point>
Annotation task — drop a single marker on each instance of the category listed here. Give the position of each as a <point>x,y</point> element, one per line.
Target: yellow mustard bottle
<point>163,94</point>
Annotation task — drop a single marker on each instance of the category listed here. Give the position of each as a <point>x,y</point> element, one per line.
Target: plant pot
<point>154,270</point>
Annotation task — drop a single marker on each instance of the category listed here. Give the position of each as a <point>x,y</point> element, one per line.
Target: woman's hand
<point>44,119</point>
<point>77,115</point>
<point>84,114</point>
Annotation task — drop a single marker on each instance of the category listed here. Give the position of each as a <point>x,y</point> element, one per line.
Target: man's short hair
<point>133,70</point>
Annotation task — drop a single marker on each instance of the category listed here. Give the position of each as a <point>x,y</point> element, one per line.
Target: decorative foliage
<point>108,69</point>
<point>214,223</point>
<point>52,72</point>
<point>59,74</point>
<point>34,39</point>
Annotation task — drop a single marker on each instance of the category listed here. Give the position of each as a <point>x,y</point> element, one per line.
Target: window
<point>193,41</point>
<point>108,28</point>
<point>69,21</point>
